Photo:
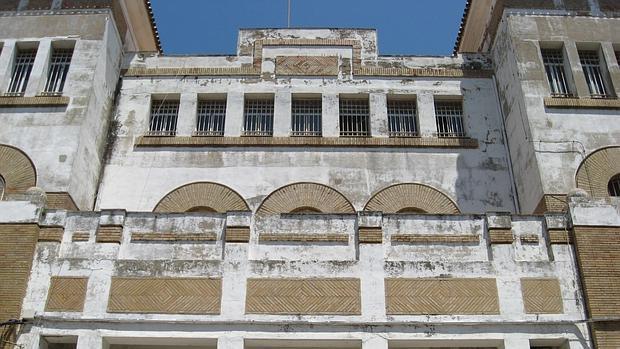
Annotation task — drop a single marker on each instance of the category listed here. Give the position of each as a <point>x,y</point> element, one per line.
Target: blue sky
<point>414,27</point>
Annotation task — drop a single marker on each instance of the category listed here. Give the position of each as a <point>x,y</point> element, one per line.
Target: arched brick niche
<point>597,169</point>
<point>305,197</point>
<point>411,198</point>
<point>16,169</point>
<point>202,197</point>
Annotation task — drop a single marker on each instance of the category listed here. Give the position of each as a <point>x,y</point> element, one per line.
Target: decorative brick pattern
<point>80,236</point>
<point>441,297</point>
<point>66,294</point>
<point>173,237</point>
<point>109,234</point>
<point>303,296</point>
<point>423,72</point>
<point>17,247</point>
<point>307,65</point>
<point>370,235</point>
<point>212,196</point>
<point>165,295</point>
<point>17,170</point>
<point>607,335</point>
<point>542,296</point>
<point>597,169</point>
<point>61,201</point>
<point>552,203</point>
<point>273,237</point>
<point>186,141</point>
<point>411,196</point>
<point>499,236</point>
<point>316,196</point>
<point>435,239</point>
<point>51,234</point>
<point>224,71</point>
<point>38,101</point>
<point>237,234</point>
<point>589,103</point>
<point>559,237</point>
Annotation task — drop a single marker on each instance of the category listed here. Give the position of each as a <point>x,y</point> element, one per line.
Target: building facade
<point>308,192</point>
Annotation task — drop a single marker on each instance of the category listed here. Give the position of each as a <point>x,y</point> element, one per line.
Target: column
<point>282,114</point>
<point>579,80</point>
<point>228,342</point>
<point>612,65</point>
<point>516,343</point>
<point>378,115</point>
<point>186,123</point>
<point>331,115</point>
<point>375,342</point>
<point>6,64</point>
<point>38,76</point>
<point>91,340</point>
<point>426,114</point>
<point>234,114</point>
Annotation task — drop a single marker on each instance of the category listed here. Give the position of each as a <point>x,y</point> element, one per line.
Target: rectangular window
<point>618,57</point>
<point>449,118</point>
<point>556,72</point>
<point>164,116</point>
<point>258,117</point>
<point>306,116</point>
<point>593,71</point>
<point>354,117</point>
<point>211,115</point>
<point>402,118</point>
<point>24,61</point>
<point>58,69</point>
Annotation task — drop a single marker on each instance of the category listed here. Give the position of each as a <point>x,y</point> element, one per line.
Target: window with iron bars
<point>402,118</point>
<point>354,117</point>
<point>58,70</point>
<point>614,185</point>
<point>449,118</point>
<point>164,115</point>
<point>306,117</point>
<point>211,115</point>
<point>593,71</point>
<point>618,57</point>
<point>24,61</point>
<point>258,117</point>
<point>556,72</point>
<point>2,187</point>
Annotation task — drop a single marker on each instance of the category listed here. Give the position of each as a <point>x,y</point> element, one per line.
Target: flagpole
<point>289,13</point>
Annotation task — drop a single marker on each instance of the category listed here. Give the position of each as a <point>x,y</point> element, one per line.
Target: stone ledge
<point>278,237</point>
<point>172,71</point>
<point>423,72</point>
<point>591,103</point>
<point>435,239</point>
<point>39,101</point>
<point>173,237</point>
<point>186,141</point>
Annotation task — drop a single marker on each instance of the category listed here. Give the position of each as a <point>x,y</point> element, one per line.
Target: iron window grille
<point>402,118</point>
<point>556,73</point>
<point>306,117</point>
<point>211,116</point>
<point>2,187</point>
<point>24,61</point>
<point>258,117</point>
<point>591,64</point>
<point>354,118</point>
<point>618,57</point>
<point>449,118</point>
<point>614,185</point>
<point>58,70</point>
<point>164,115</point>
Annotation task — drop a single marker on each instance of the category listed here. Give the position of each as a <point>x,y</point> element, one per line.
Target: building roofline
<point>307,28</point>
<point>149,10</point>
<point>459,36</point>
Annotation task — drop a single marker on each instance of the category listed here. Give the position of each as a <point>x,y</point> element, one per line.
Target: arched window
<point>306,209</point>
<point>2,186</point>
<point>614,185</point>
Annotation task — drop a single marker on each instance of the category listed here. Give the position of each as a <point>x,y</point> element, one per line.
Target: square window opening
<point>164,115</point>
<point>306,117</point>
<point>402,118</point>
<point>211,117</point>
<point>22,68</point>
<point>449,118</point>
<point>354,117</point>
<point>258,117</point>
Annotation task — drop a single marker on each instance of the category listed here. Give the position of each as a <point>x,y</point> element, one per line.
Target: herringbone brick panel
<point>66,294</point>
<point>165,295</point>
<point>303,296</point>
<point>441,296</point>
<point>542,296</point>
<point>307,65</point>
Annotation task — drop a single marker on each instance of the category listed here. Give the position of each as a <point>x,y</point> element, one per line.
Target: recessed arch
<point>305,197</point>
<point>202,197</point>
<point>597,169</point>
<point>411,198</point>
<point>16,169</point>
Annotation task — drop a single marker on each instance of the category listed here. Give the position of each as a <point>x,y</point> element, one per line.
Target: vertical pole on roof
<point>289,13</point>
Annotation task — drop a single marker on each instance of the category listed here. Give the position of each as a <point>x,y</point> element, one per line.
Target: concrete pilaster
<point>38,76</point>
<point>375,342</point>
<point>186,123</point>
<point>516,343</point>
<point>6,64</point>
<point>226,342</point>
<point>612,64</point>
<point>372,281</point>
<point>581,87</point>
<point>426,114</point>
<point>90,341</point>
<point>378,115</point>
<point>282,114</point>
<point>331,115</point>
<point>234,114</point>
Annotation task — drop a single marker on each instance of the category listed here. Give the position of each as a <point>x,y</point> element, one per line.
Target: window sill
<point>39,101</point>
<point>581,103</point>
<point>249,141</point>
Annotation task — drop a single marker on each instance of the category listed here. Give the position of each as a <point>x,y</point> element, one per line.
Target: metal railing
<point>164,116</point>
<point>58,70</point>
<point>211,116</point>
<point>556,73</point>
<point>354,118</point>
<point>449,118</point>
<point>306,117</point>
<point>591,64</point>
<point>258,117</point>
<point>402,118</point>
<point>24,61</point>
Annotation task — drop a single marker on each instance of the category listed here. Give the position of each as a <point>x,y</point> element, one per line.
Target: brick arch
<point>596,170</point>
<point>202,196</point>
<point>17,169</point>
<point>306,197</point>
<point>411,197</point>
